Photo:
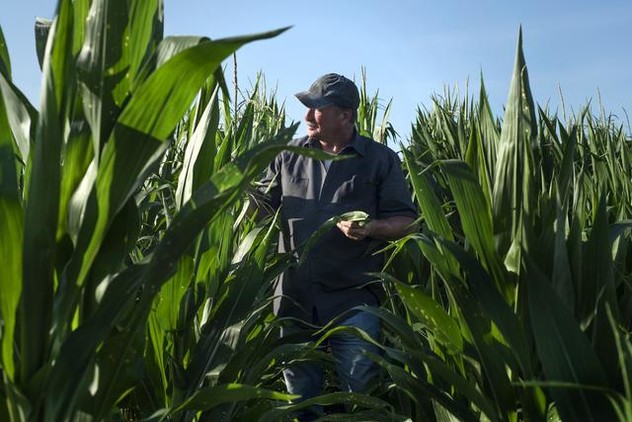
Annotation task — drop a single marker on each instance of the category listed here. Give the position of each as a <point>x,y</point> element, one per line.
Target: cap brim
<point>309,100</point>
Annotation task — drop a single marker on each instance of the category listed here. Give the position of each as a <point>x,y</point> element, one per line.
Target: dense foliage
<point>134,285</point>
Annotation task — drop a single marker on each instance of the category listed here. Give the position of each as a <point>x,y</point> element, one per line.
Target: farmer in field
<point>334,277</point>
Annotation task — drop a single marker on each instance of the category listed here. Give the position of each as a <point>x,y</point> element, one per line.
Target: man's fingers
<point>351,230</point>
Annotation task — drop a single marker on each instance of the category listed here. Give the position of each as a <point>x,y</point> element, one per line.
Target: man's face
<point>327,123</point>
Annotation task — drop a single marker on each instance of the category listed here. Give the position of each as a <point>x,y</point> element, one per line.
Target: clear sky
<point>411,49</point>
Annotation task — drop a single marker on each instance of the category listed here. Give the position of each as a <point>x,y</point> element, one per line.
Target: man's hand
<point>354,230</point>
<point>392,228</point>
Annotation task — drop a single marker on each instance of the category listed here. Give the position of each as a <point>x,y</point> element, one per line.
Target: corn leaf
<point>5,62</point>
<point>355,399</point>
<point>199,151</point>
<point>476,219</point>
<point>598,291</point>
<point>12,229</point>
<point>138,139</point>
<point>209,397</point>
<point>119,305</point>
<point>489,132</point>
<point>514,186</point>
<point>22,117</point>
<point>442,326</point>
<point>42,207</point>
<point>427,200</point>
<point>103,66</point>
<point>565,352</point>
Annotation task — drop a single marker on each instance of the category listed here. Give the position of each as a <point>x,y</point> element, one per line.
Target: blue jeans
<point>355,370</point>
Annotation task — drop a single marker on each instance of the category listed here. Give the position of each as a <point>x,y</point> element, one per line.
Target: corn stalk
<point>525,250</point>
<point>75,306</point>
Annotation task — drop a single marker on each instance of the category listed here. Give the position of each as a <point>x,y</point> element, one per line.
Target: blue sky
<point>411,49</point>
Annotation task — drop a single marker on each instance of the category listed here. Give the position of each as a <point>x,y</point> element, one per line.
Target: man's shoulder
<point>296,142</point>
<point>376,148</point>
<point>300,141</point>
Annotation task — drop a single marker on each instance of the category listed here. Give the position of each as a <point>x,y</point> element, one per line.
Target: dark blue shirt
<point>334,277</point>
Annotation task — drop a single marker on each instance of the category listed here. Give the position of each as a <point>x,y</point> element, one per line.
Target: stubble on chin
<point>313,134</point>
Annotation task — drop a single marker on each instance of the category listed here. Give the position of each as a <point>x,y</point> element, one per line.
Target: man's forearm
<point>391,228</point>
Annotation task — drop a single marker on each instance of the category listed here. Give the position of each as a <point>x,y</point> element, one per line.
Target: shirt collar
<point>358,144</point>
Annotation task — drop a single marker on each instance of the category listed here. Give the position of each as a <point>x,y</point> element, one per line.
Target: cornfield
<point>135,286</point>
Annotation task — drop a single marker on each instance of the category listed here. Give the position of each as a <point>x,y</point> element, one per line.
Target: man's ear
<point>348,114</point>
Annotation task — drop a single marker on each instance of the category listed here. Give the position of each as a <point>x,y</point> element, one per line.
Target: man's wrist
<point>370,228</point>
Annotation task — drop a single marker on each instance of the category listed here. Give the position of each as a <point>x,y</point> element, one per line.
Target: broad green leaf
<point>441,325</point>
<point>103,65</point>
<point>402,327</point>
<point>598,290</point>
<point>199,152</point>
<point>618,228</point>
<point>138,138</point>
<point>167,303</point>
<point>146,26</point>
<point>624,358</point>
<point>475,158</point>
<point>42,29</point>
<point>569,141</point>
<point>117,374</point>
<point>489,353</point>
<point>80,347</point>
<point>419,388</point>
<point>209,397</point>
<point>411,353</point>
<point>5,61</point>
<point>489,132</point>
<point>514,184</point>
<point>427,199</point>
<point>81,9</point>
<point>170,94</point>
<point>325,227</point>
<point>113,255</point>
<point>494,307</point>
<point>463,385</point>
<point>214,254</point>
<point>237,300</point>
<point>78,155</point>
<point>12,229</point>
<point>476,219</point>
<point>354,399</point>
<point>354,216</point>
<point>42,207</point>
<point>119,302</point>
<point>565,352</point>
<point>22,118</point>
<point>156,359</point>
<point>475,315</point>
<point>172,45</point>
<point>562,274</point>
<point>493,304</point>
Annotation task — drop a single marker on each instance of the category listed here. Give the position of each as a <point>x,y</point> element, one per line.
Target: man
<point>333,277</point>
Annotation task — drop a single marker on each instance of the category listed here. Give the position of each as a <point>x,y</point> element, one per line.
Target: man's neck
<point>337,145</point>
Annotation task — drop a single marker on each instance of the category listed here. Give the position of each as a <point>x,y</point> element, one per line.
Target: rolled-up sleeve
<point>394,196</point>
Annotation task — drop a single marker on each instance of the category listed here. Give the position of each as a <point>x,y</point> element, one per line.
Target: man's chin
<point>313,134</point>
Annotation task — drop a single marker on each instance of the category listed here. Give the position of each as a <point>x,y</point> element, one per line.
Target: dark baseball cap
<point>331,89</point>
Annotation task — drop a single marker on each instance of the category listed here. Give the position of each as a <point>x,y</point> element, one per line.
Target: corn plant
<point>77,291</point>
<point>525,247</point>
<point>210,325</point>
<point>369,110</point>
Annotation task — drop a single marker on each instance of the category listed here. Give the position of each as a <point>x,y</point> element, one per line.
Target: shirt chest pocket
<point>295,187</point>
<point>357,190</point>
